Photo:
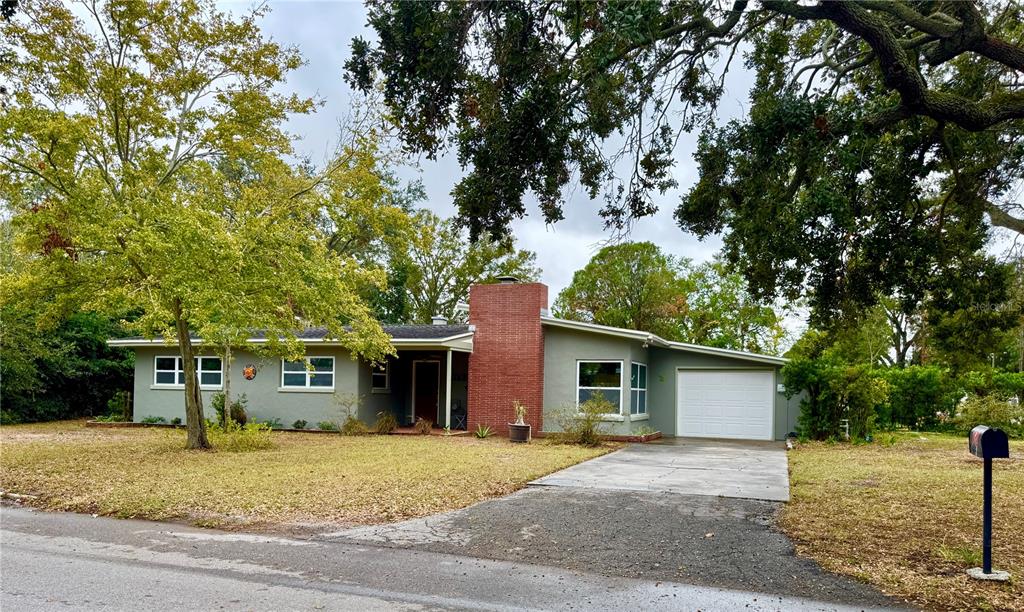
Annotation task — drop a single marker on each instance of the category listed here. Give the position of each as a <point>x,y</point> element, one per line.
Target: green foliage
<point>644,430</point>
<point>635,285</point>
<point>238,412</point>
<point>274,423</point>
<point>353,427</point>
<point>110,418</point>
<point>632,285</point>
<point>185,225</point>
<point>721,312</point>
<point>299,424</point>
<point>56,372</point>
<point>482,431</point>
<point>1009,383</point>
<point>176,421</point>
<point>120,406</point>
<point>920,397</point>
<point>991,410</point>
<point>582,425</point>
<point>440,264</point>
<point>152,420</point>
<point>858,395</point>
<point>327,426</point>
<point>386,422</point>
<point>238,438</point>
<point>423,426</point>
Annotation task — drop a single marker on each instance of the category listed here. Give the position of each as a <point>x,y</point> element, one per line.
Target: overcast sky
<point>322,31</point>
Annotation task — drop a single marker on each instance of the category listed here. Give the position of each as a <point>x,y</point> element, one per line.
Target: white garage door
<point>726,404</point>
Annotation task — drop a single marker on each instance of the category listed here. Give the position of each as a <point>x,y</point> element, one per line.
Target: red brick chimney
<point>508,353</point>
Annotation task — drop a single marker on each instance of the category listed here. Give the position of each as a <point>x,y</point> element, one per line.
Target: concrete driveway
<point>687,466</point>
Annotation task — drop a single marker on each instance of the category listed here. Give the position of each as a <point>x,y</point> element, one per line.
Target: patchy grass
<point>904,514</point>
<point>304,482</point>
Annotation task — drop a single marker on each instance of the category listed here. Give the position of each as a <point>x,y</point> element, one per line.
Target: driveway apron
<point>687,466</point>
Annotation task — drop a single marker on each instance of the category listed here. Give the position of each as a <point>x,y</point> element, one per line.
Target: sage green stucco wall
<point>265,399</point>
<point>563,348</point>
<point>662,387</point>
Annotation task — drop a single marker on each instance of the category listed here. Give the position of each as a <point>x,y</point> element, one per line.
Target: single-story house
<point>466,375</point>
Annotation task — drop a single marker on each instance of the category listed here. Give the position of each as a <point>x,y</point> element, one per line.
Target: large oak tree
<point>882,139</point>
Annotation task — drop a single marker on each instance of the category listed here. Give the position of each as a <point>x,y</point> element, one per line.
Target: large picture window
<point>168,370</point>
<point>638,389</point>
<point>309,373</point>
<point>600,379</point>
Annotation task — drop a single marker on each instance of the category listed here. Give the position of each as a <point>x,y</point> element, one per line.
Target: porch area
<point>427,383</point>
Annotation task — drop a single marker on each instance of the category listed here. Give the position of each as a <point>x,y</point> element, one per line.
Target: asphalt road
<point>53,561</point>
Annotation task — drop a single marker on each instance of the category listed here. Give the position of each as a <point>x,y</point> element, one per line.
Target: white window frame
<point>638,415</point>
<point>387,377</point>
<point>179,365</point>
<point>309,373</point>
<point>611,415</point>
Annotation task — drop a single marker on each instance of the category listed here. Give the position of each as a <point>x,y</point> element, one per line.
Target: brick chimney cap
<point>507,280</point>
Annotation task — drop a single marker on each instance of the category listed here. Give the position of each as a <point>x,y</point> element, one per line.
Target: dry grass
<point>904,514</point>
<point>305,482</point>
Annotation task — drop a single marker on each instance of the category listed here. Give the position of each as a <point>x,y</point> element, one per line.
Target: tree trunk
<point>195,424</point>
<point>227,386</point>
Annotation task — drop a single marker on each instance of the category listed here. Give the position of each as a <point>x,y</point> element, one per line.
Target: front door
<point>426,389</point>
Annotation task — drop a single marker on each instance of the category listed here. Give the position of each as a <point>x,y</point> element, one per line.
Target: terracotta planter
<point>518,433</point>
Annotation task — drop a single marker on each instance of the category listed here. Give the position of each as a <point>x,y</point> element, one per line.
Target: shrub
<point>991,410</point>
<point>1009,383</point>
<point>386,423</point>
<point>582,425</point>
<point>237,438</point>
<point>154,419</point>
<point>920,397</point>
<point>109,418</point>
<point>120,407</point>
<point>238,412</point>
<point>353,427</point>
<point>423,426</point>
<point>299,424</point>
<point>644,430</point>
<point>482,431</point>
<point>176,421</point>
<point>274,423</point>
<point>858,394</point>
<point>327,426</point>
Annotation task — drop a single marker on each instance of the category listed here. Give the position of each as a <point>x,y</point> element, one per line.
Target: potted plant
<point>520,430</point>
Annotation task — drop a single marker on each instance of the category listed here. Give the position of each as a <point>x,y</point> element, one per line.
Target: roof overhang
<point>650,339</point>
<point>462,342</point>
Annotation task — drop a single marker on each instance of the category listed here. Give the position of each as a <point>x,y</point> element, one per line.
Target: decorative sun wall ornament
<point>249,372</point>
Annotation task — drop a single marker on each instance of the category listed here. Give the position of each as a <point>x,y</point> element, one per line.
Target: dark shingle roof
<point>397,332</point>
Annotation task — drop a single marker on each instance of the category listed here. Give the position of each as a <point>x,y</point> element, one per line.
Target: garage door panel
<point>725,404</point>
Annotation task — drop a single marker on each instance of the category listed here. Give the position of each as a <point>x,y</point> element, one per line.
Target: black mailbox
<point>988,443</point>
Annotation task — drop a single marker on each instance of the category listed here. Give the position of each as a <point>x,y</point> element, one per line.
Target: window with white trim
<point>599,379</point>
<point>638,389</point>
<point>308,373</point>
<point>380,377</point>
<point>169,371</point>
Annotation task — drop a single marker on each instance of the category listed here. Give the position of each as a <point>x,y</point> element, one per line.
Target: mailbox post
<point>988,444</point>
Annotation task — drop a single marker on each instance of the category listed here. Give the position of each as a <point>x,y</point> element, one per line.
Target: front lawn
<point>904,514</point>
<point>308,481</point>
